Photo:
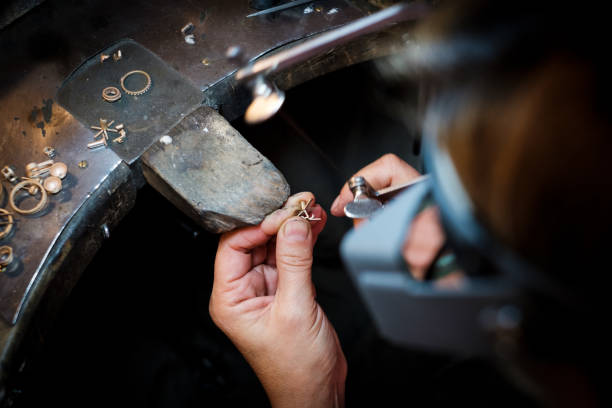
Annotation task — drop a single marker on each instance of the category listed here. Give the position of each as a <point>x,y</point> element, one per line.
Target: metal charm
<point>95,145</point>
<point>103,130</point>
<point>29,184</point>
<point>50,152</point>
<point>34,170</point>
<point>304,211</point>
<point>9,174</point>
<point>59,170</point>
<point>140,91</point>
<point>53,184</point>
<point>111,94</point>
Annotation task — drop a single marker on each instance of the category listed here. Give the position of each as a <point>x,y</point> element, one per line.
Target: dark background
<point>136,331</point>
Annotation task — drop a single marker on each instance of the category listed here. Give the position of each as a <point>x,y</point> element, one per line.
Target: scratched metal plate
<point>146,117</point>
<point>33,236</point>
<point>42,48</point>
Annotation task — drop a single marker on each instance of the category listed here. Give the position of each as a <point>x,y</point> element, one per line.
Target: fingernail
<point>296,230</point>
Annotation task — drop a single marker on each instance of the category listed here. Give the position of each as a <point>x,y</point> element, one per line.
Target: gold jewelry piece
<point>140,91</point>
<point>9,174</point>
<point>6,257</point>
<point>53,184</point>
<point>111,94</point>
<point>28,184</point>
<point>33,189</point>
<point>50,152</point>
<point>304,211</point>
<point>38,169</point>
<point>9,223</point>
<point>103,129</point>
<point>95,145</point>
<point>59,169</point>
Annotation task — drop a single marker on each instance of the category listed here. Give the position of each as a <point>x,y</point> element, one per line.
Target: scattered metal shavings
<point>190,39</point>
<point>206,62</point>
<point>187,29</point>
<point>83,164</point>
<point>333,11</point>
<point>308,10</point>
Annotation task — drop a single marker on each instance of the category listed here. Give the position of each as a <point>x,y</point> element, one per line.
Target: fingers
<point>294,244</point>
<point>271,224</point>
<point>386,171</point>
<point>235,253</point>
<point>426,238</point>
<point>316,226</point>
<point>273,221</point>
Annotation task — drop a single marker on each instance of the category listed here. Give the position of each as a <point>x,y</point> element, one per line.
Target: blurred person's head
<point>527,128</point>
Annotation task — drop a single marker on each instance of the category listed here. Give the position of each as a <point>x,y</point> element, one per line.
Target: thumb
<point>294,262</point>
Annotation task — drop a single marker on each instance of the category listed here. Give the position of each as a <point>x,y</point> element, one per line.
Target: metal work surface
<point>33,236</point>
<point>145,116</point>
<point>41,49</point>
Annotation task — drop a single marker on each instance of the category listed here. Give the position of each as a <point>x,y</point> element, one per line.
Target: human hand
<point>263,299</point>
<point>426,236</point>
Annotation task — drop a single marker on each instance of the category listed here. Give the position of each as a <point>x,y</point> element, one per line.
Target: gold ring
<point>111,94</point>
<point>33,183</point>
<point>140,91</point>
<point>6,256</point>
<point>9,223</point>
